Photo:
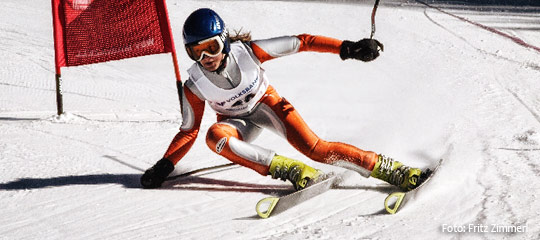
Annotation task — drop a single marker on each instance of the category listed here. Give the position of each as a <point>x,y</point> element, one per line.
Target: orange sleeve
<point>183,141</point>
<point>262,55</point>
<point>268,49</point>
<point>319,44</point>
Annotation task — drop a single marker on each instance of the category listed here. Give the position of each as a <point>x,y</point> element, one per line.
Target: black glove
<point>156,175</point>
<point>365,49</point>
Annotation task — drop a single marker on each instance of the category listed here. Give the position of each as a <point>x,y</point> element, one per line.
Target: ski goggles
<point>210,47</point>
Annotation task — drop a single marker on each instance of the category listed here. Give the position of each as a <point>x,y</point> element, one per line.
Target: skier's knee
<point>218,135</point>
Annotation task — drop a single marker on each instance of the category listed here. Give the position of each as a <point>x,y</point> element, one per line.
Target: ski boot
<point>295,171</point>
<point>396,173</point>
<point>156,175</point>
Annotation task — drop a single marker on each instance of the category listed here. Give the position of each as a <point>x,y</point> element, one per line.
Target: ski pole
<point>373,18</point>
<point>201,170</point>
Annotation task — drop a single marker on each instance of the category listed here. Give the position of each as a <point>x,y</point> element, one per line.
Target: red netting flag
<point>92,31</point>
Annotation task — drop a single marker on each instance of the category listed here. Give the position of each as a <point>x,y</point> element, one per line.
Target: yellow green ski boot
<point>396,173</point>
<point>295,171</point>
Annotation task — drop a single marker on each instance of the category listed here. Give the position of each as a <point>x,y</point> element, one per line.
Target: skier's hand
<point>365,49</point>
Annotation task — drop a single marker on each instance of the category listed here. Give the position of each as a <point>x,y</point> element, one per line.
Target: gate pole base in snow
<point>59,97</point>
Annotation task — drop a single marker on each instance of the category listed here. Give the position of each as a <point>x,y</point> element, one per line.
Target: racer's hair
<point>238,35</point>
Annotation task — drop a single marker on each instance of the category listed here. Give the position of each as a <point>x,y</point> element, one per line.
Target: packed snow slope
<point>443,88</point>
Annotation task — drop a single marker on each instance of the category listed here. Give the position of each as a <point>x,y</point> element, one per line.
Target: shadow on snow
<point>193,183</point>
<point>128,180</point>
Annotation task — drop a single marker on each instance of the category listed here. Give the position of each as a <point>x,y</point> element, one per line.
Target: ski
<point>275,205</point>
<point>401,198</point>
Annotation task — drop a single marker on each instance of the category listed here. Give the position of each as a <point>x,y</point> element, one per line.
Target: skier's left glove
<point>365,49</point>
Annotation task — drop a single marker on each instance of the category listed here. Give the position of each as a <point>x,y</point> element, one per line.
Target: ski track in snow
<point>495,198</point>
<point>443,88</point>
<point>512,37</point>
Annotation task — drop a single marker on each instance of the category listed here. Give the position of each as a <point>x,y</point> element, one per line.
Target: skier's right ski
<point>275,205</point>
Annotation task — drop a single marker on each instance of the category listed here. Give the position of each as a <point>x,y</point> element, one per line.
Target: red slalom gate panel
<point>92,31</point>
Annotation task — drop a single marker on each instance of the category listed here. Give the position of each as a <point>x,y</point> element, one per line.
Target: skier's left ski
<point>275,205</point>
<point>401,198</point>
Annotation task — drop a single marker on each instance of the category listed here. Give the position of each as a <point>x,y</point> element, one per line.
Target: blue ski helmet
<point>205,23</point>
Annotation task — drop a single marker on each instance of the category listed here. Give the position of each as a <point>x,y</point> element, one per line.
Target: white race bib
<point>241,99</point>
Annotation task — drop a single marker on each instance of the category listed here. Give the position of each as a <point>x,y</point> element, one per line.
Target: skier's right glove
<point>156,175</point>
<point>365,49</point>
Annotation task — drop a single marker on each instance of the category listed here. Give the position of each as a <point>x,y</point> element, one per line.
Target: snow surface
<point>442,88</point>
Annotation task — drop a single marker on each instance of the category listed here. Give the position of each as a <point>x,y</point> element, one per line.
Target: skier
<point>227,74</point>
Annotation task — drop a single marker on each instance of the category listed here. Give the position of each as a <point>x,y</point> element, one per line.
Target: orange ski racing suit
<point>246,103</point>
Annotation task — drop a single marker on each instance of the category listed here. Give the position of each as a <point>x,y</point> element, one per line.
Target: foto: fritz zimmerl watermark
<point>483,228</point>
